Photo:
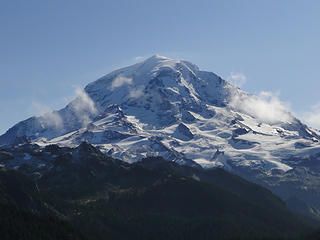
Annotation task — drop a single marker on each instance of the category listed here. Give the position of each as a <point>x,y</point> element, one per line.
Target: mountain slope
<point>20,224</point>
<point>157,199</point>
<point>170,108</point>
<point>24,214</point>
<point>152,199</point>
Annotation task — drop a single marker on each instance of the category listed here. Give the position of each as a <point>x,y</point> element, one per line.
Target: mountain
<point>170,108</point>
<point>20,224</point>
<point>24,214</point>
<point>107,198</point>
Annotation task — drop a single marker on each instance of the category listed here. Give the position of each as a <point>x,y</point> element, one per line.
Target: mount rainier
<point>171,108</point>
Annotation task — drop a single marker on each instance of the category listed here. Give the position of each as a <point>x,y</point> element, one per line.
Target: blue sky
<point>47,48</point>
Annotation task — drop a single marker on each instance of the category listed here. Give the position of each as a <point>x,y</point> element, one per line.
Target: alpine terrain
<point>170,108</point>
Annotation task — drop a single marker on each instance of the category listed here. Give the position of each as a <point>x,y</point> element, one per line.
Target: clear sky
<point>47,47</point>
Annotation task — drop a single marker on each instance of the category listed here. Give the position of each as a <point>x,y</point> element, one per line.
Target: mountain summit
<point>170,108</point>
<point>158,90</point>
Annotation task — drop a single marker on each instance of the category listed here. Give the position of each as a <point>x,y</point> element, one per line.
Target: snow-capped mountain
<point>171,108</point>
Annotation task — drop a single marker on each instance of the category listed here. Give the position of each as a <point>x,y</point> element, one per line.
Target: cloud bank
<point>119,81</point>
<point>139,58</point>
<point>312,116</point>
<point>84,102</point>
<point>49,117</point>
<point>136,92</point>
<point>266,107</point>
<point>238,79</point>
<point>83,106</point>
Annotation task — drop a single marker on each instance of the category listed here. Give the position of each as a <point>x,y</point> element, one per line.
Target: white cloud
<point>138,58</point>
<point>51,118</point>
<point>119,81</point>
<point>39,109</point>
<point>84,102</point>
<point>312,117</point>
<point>238,79</point>
<point>83,106</point>
<point>267,107</point>
<point>136,92</point>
